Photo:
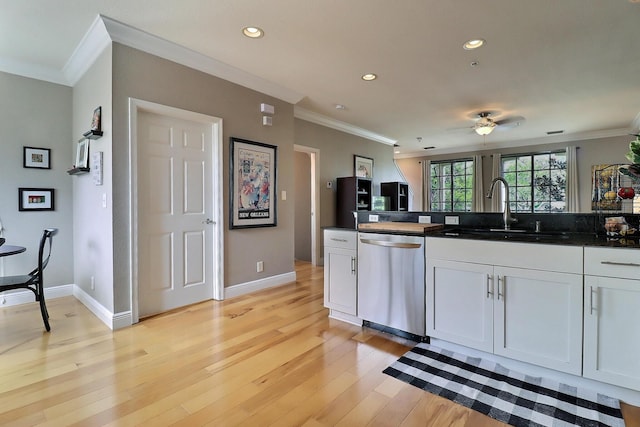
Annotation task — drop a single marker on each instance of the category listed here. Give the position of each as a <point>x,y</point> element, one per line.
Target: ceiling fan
<point>485,124</point>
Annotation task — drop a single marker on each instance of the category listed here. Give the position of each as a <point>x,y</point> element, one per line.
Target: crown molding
<point>137,39</point>
<point>635,124</point>
<point>94,42</point>
<point>552,139</point>
<point>319,119</point>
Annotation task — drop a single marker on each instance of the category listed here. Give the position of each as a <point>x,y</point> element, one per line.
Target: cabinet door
<point>340,280</point>
<point>611,331</point>
<point>538,318</point>
<point>459,303</point>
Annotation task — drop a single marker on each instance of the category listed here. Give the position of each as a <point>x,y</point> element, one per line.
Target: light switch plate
<point>424,219</point>
<point>452,220</point>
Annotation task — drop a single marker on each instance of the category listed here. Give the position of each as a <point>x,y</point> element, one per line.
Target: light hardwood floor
<point>271,358</point>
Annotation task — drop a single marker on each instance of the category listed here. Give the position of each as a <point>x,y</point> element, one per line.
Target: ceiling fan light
<point>485,129</point>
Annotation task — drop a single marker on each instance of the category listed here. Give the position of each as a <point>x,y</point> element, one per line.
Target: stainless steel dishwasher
<point>391,285</point>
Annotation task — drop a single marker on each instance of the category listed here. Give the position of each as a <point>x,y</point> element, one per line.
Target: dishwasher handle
<point>389,244</point>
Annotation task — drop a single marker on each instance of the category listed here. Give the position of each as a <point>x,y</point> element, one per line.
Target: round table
<point>6,250</point>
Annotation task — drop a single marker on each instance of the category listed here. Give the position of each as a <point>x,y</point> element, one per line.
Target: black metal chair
<point>34,281</point>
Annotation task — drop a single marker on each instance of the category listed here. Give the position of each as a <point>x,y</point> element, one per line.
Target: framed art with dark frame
<point>362,166</point>
<point>38,158</point>
<point>253,184</point>
<point>36,199</point>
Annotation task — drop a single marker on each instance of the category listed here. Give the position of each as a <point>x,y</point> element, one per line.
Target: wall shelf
<point>92,134</point>
<point>78,171</point>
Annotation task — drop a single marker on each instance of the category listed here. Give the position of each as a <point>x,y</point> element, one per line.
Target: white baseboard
<point>113,321</point>
<point>344,317</point>
<point>258,285</point>
<point>22,297</point>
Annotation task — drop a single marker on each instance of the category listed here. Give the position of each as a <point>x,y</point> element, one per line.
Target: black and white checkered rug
<point>503,394</point>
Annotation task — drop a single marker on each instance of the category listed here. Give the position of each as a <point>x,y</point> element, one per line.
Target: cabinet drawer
<point>344,239</point>
<point>612,262</point>
<point>563,259</point>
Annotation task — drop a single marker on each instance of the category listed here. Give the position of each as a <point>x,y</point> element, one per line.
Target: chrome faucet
<point>506,215</point>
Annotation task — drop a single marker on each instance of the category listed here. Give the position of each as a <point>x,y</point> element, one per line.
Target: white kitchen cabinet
<point>538,317</point>
<point>340,274</point>
<point>459,308</point>
<point>612,316</point>
<point>497,297</point>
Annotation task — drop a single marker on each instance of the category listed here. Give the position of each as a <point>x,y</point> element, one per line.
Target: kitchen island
<point>564,302</point>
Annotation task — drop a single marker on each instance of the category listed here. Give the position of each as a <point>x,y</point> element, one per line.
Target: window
<point>537,182</point>
<point>452,185</point>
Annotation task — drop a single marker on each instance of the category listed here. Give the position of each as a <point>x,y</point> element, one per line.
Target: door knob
<point>208,221</point>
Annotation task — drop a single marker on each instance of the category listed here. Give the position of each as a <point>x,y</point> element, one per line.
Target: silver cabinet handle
<point>500,293</point>
<point>624,264</point>
<point>353,265</point>
<point>339,240</point>
<point>489,286</point>
<point>591,300</point>
<point>392,244</point>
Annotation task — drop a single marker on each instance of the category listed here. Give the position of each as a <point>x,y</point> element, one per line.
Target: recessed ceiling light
<point>253,32</point>
<point>340,107</point>
<point>473,44</point>
<point>369,76</point>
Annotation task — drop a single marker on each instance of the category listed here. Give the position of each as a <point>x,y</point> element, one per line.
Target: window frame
<point>448,191</point>
<point>534,190</point>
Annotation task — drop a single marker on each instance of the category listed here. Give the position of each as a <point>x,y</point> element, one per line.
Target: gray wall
<point>591,152</point>
<point>143,76</point>
<point>93,223</point>
<point>336,160</point>
<point>36,114</point>
<point>302,173</point>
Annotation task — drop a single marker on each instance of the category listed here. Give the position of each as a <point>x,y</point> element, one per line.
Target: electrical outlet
<point>452,220</point>
<point>424,219</point>
<point>373,218</point>
<point>260,266</point>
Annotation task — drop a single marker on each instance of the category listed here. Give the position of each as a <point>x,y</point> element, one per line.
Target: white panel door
<point>175,203</point>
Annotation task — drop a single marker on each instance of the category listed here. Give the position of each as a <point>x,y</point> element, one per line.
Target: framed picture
<point>362,166</point>
<point>82,154</point>
<point>253,184</point>
<point>36,199</point>
<point>38,158</point>
<point>96,120</point>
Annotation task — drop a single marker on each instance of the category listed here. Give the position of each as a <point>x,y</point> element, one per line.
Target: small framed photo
<point>36,199</point>
<point>39,158</point>
<point>253,184</point>
<point>82,154</point>
<point>362,166</point>
<point>96,120</point>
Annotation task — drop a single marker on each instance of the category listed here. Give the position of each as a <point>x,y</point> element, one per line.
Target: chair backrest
<point>42,261</point>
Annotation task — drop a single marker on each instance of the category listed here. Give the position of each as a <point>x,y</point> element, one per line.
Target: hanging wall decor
<point>253,184</point>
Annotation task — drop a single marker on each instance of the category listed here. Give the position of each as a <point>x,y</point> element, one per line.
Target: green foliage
<point>634,151</point>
